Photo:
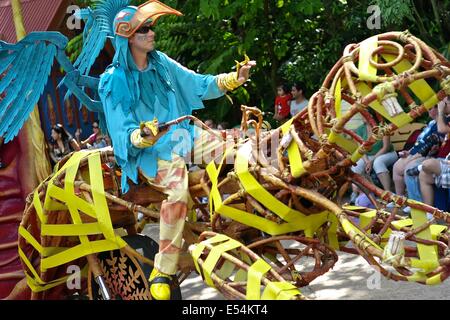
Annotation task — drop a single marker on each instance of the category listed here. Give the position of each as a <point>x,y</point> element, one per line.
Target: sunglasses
<point>144,29</point>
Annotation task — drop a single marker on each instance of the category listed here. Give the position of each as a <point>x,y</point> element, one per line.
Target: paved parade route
<point>350,279</point>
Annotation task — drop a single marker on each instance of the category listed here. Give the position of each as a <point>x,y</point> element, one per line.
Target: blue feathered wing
<point>24,72</point>
<point>26,66</point>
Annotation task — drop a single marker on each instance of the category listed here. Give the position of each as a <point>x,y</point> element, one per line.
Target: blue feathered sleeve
<point>192,86</point>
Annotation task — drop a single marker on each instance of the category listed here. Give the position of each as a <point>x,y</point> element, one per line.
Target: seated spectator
<point>362,200</point>
<point>436,171</point>
<point>95,141</point>
<point>414,156</point>
<point>62,143</point>
<point>299,101</point>
<point>379,158</point>
<point>282,100</point>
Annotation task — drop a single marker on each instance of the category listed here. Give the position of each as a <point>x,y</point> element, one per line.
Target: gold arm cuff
<point>228,81</point>
<point>138,141</point>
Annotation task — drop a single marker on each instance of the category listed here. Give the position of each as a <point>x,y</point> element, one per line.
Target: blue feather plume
<point>98,27</point>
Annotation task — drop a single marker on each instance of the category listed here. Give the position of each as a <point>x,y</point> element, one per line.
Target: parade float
<point>275,215</point>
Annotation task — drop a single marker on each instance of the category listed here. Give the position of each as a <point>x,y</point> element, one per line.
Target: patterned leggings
<point>172,179</point>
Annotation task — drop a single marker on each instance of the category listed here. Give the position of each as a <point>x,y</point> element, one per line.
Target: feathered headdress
<point>110,18</point>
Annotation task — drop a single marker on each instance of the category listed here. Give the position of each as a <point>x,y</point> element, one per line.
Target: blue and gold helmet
<point>131,18</point>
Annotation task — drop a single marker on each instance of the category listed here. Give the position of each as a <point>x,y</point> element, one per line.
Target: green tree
<point>427,19</point>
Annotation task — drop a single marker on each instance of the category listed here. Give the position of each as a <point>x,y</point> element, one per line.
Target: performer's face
<point>143,39</point>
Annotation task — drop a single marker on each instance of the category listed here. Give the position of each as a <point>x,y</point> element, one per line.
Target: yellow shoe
<point>160,285</point>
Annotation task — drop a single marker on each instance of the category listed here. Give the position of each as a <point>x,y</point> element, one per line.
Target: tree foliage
<point>427,19</point>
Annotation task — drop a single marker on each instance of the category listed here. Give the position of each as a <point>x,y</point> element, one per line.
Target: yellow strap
<point>348,227</point>
<point>402,223</point>
<point>73,160</point>
<point>428,254</point>
<point>70,229</point>
<point>274,290</point>
<point>37,287</point>
<point>436,230</point>
<point>196,253</point>
<point>30,266</point>
<point>254,188</point>
<point>35,283</point>
<point>295,158</point>
<point>214,256</point>
<point>280,291</point>
<point>421,277</point>
<point>98,195</point>
<point>308,223</point>
<point>216,239</point>
<point>60,194</point>
<point>198,250</point>
<point>365,218</point>
<point>53,257</point>
<point>44,251</point>
<point>356,156</point>
<point>69,188</point>
<point>81,250</point>
<point>348,145</point>
<point>367,72</point>
<point>338,99</point>
<point>38,207</point>
<point>434,280</point>
<point>256,271</point>
<point>30,239</point>
<point>420,88</point>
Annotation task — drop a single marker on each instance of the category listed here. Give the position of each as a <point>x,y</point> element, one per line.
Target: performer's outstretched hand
<point>244,71</point>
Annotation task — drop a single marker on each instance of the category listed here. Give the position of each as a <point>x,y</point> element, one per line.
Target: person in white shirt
<point>299,101</point>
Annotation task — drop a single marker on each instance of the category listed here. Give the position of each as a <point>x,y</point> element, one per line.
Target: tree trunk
<point>272,56</point>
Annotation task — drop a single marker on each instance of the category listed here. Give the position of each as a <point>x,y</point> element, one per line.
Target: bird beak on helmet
<point>151,10</point>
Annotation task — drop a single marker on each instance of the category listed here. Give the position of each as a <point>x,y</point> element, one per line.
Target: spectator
<point>414,156</point>
<point>299,101</point>
<point>282,108</point>
<point>223,126</point>
<point>413,184</point>
<point>379,158</point>
<point>62,143</point>
<point>362,200</point>
<point>210,124</point>
<point>436,171</point>
<point>95,141</point>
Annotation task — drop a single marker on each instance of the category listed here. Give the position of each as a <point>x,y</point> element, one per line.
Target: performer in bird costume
<point>140,89</point>
<point>143,84</point>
